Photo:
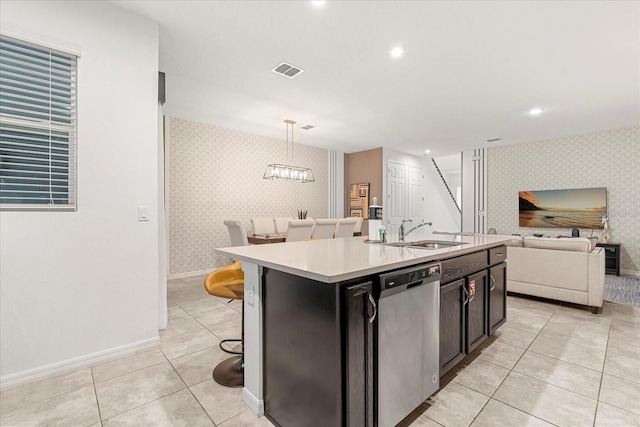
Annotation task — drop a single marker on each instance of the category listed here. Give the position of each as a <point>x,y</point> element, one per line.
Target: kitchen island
<point>310,324</point>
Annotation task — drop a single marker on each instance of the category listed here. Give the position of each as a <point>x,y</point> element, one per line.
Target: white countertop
<point>336,260</point>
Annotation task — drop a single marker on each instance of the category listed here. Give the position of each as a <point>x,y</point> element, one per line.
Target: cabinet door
<point>452,324</point>
<point>360,311</point>
<point>477,326</point>
<point>497,296</point>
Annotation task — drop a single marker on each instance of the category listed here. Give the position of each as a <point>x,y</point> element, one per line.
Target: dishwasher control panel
<point>409,276</point>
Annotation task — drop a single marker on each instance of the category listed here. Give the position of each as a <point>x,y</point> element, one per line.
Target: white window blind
<point>37,127</point>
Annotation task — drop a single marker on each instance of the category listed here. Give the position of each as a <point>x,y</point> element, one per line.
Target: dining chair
<point>281,224</point>
<point>324,228</point>
<point>263,226</point>
<point>345,227</point>
<point>299,229</point>
<point>237,233</point>
<point>357,230</point>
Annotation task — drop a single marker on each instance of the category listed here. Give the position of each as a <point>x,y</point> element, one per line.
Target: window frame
<point>59,151</point>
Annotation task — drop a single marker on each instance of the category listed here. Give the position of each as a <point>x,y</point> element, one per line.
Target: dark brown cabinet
<point>476,307</point>
<point>452,324</point>
<point>473,302</point>
<point>318,351</point>
<point>497,296</point>
<point>358,302</point>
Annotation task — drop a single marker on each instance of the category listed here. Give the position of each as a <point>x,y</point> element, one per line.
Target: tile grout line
<point>95,393</point>
<point>504,379</point>
<point>512,370</point>
<point>189,387</point>
<point>604,362</point>
<point>601,380</point>
<point>554,358</point>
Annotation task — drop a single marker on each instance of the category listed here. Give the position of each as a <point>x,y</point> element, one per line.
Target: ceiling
<point>470,70</point>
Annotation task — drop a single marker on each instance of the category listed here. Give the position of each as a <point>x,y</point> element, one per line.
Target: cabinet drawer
<point>497,255</point>
<point>454,268</point>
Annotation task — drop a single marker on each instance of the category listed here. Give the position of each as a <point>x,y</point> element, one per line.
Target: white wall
<point>80,286</point>
<point>436,206</point>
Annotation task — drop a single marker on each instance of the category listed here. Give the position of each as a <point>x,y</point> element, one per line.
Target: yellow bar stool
<point>228,282</point>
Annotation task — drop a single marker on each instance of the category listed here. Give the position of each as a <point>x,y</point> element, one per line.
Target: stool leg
<point>230,372</point>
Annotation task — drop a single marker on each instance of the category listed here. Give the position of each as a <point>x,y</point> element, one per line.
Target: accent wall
<point>608,159</point>
<point>214,174</point>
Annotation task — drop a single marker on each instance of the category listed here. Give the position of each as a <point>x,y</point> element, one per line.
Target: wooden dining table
<point>261,239</point>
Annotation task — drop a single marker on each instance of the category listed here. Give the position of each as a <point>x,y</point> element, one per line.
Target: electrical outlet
<point>249,294</point>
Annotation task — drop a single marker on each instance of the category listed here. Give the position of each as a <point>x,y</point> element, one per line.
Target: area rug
<point>622,289</point>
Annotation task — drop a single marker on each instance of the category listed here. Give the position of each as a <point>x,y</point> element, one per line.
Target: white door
<point>416,196</point>
<point>396,190</point>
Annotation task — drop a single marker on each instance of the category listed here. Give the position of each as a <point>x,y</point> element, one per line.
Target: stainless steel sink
<point>426,244</point>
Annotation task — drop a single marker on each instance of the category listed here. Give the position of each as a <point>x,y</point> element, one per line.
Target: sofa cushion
<point>593,241</point>
<point>514,241</point>
<point>577,244</point>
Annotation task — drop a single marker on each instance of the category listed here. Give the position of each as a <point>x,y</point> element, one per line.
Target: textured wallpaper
<point>216,174</point>
<point>601,159</point>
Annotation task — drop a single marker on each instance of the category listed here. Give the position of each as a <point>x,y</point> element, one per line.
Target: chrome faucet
<point>402,234</point>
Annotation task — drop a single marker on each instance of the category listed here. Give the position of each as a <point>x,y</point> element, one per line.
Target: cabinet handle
<point>494,283</point>
<point>499,254</point>
<point>466,295</point>
<point>375,308</point>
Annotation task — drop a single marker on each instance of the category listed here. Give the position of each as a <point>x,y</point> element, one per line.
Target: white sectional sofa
<point>565,269</point>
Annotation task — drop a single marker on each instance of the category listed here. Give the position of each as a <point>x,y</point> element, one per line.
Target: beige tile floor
<point>550,364</point>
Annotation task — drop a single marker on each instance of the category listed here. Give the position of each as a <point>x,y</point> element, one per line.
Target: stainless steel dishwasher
<point>408,344</point>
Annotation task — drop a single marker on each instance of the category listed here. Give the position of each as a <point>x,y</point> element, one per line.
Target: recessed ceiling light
<point>397,52</point>
<point>535,111</point>
<point>318,2</point>
<point>427,151</point>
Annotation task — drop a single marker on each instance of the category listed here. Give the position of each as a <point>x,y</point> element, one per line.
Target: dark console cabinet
<point>611,257</point>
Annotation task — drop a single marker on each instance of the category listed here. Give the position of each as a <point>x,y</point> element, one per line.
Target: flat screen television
<point>572,208</point>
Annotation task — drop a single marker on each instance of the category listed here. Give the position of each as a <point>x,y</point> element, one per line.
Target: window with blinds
<point>37,127</point>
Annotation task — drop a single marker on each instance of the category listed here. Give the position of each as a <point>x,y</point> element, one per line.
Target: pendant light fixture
<point>282,172</point>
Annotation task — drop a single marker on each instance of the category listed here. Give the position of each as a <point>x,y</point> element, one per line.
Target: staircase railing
<point>446,185</point>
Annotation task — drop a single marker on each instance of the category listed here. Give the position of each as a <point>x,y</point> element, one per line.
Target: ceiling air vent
<point>307,127</point>
<point>287,70</point>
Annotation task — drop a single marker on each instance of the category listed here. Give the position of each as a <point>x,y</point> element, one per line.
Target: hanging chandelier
<point>282,172</point>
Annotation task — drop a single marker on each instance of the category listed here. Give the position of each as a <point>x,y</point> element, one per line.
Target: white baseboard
<point>190,274</point>
<point>77,362</point>
<point>630,273</point>
<point>254,404</point>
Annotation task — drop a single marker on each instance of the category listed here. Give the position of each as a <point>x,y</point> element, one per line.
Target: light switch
<point>143,213</point>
